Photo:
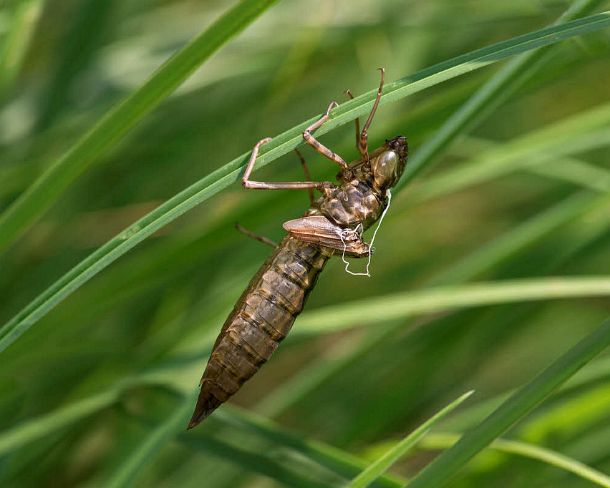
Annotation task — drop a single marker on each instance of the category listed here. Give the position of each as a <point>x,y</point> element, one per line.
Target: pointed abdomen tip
<point>206,404</point>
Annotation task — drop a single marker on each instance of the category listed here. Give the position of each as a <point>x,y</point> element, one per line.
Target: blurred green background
<point>94,394</point>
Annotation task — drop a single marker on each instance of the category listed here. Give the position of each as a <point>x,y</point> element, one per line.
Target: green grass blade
<point>118,121</point>
<point>582,132</point>
<point>439,471</point>
<point>229,173</point>
<point>382,464</point>
<point>577,172</point>
<point>522,236</point>
<point>335,459</point>
<point>66,415</point>
<point>438,299</point>
<point>14,44</point>
<point>157,439</point>
<point>46,425</point>
<point>253,461</point>
<point>563,168</point>
<point>444,440</point>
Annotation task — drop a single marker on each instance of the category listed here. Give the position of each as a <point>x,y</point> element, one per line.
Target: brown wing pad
<point>318,229</point>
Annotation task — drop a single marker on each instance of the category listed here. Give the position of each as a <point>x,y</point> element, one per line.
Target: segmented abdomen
<point>260,320</point>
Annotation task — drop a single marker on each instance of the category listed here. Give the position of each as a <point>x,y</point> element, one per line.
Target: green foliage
<point>102,348</point>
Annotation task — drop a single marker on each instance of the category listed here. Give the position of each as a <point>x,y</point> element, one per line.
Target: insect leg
<point>357,120</point>
<point>249,233</point>
<point>287,185</point>
<point>307,174</point>
<point>312,141</point>
<point>363,146</point>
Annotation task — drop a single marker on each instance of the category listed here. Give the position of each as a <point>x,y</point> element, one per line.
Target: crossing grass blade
<point>383,463</point>
<point>228,174</point>
<point>518,405</point>
<point>585,131</point>
<point>375,310</point>
<point>444,440</point>
<point>151,444</point>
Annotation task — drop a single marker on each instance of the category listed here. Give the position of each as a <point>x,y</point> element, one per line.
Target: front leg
<point>313,142</point>
<point>286,185</point>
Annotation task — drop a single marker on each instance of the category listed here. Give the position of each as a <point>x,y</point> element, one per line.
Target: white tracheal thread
<point>358,231</point>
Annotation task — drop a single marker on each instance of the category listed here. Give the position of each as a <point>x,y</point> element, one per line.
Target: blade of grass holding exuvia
<point>445,466</point>
<point>389,458</point>
<point>229,173</point>
<point>490,96</point>
<point>445,440</point>
<point>119,120</point>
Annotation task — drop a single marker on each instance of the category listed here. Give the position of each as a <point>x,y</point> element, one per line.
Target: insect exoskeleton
<point>333,224</point>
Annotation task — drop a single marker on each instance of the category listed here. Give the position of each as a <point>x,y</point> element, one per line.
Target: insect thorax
<point>350,204</point>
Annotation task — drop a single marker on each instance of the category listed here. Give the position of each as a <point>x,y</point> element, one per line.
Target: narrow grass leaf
<point>579,133</point>
<point>515,240</point>
<point>151,444</point>
<point>444,298</point>
<point>389,458</point>
<point>577,172</point>
<point>229,173</point>
<point>61,418</point>
<point>341,462</point>
<point>445,440</point>
<point>255,462</point>
<point>444,467</point>
<point>16,40</point>
<point>119,120</point>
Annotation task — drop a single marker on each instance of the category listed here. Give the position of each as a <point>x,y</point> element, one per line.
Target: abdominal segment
<point>261,319</point>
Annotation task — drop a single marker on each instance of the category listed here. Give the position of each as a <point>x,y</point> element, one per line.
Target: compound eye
<point>384,168</point>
